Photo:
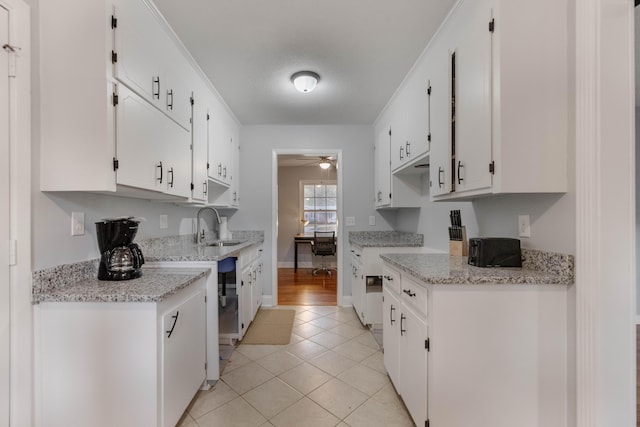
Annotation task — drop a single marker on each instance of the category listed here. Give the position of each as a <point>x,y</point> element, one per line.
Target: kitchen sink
<point>223,243</point>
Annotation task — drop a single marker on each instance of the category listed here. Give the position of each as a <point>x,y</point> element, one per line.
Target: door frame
<point>21,391</point>
<point>274,214</point>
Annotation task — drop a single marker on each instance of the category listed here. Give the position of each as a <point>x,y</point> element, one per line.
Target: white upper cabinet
<point>382,171</point>
<point>200,147</point>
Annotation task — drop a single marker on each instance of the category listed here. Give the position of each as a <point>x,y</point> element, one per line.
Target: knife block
<point>460,247</point>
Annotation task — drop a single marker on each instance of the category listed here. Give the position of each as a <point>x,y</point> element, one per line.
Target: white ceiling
<point>362,50</point>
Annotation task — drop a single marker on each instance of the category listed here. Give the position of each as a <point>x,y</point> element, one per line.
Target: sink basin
<point>223,243</point>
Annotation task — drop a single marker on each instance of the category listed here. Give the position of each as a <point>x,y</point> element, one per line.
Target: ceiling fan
<point>325,162</point>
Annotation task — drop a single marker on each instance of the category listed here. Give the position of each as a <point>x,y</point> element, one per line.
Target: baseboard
<point>346,301</point>
<point>267,301</point>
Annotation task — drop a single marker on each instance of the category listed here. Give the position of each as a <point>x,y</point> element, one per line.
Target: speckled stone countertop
<point>183,248</point>
<point>155,285</point>
<point>443,269</point>
<point>381,239</point>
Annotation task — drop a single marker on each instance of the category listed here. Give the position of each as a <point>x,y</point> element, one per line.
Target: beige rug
<point>270,327</point>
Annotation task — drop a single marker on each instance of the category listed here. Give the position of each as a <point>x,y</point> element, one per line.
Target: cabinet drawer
<point>415,295</point>
<point>391,280</point>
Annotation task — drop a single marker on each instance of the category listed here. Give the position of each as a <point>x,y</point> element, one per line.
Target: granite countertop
<point>443,269</point>
<point>184,249</point>
<point>381,239</point>
<point>156,284</point>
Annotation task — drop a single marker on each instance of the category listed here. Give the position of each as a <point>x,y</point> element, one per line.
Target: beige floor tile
<point>305,378</point>
<point>354,350</point>
<point>306,349</point>
<point>344,315</point>
<point>364,379</point>
<point>294,340</point>
<point>338,398</point>
<point>255,352</point>
<point>348,330</point>
<point>332,362</point>
<point>279,362</point>
<point>245,378</point>
<point>297,321</point>
<point>272,397</point>
<point>376,361</point>
<point>325,322</point>
<point>376,414</point>
<point>186,421</point>
<point>235,413</point>
<point>305,413</point>
<point>236,360</point>
<point>307,330</point>
<point>329,339</point>
<point>368,340</point>
<point>389,396</point>
<point>208,400</point>
<point>307,316</point>
<point>324,309</point>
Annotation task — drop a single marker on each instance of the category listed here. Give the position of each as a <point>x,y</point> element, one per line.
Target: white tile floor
<point>330,374</point>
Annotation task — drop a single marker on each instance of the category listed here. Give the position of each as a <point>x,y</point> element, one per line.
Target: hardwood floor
<point>303,288</point>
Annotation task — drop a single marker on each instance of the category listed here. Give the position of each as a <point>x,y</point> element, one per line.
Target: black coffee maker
<point>120,258</point>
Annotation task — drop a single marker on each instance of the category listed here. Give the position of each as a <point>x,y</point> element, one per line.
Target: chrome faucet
<point>200,238</point>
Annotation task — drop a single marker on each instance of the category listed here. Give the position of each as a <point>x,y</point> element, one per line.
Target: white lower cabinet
<point>478,354</point>
<point>120,364</point>
<point>405,343</point>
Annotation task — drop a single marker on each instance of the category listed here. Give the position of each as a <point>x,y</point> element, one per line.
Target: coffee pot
<point>120,258</point>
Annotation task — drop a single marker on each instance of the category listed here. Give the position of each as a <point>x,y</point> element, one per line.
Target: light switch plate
<point>524,226</point>
<point>164,221</point>
<point>77,223</point>
<point>351,221</point>
<point>372,220</point>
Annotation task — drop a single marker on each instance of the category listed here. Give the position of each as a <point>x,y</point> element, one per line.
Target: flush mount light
<point>305,81</point>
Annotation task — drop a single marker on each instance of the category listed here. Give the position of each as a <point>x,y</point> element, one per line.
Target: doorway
<point>307,199</point>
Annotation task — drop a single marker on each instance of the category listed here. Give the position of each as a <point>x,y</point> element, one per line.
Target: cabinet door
<point>139,147</point>
<point>179,80</point>
<point>357,289</point>
<point>235,171</point>
<point>413,364</point>
<point>390,335</point>
<point>244,299</point>
<point>139,40</point>
<point>199,152</point>
<point>177,158</point>
<point>472,48</point>
<point>183,356</point>
<point>439,103</point>
<point>417,123</point>
<point>256,289</point>
<point>382,167</point>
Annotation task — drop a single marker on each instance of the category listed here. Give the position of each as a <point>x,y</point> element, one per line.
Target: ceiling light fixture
<point>305,81</point>
<point>325,164</point>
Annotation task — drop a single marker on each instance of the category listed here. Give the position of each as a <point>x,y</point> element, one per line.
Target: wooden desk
<point>298,239</point>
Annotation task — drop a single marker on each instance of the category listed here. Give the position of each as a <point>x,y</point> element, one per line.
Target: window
<point>319,205</point>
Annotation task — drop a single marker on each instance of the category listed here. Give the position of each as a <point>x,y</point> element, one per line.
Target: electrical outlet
<point>524,226</point>
<point>351,221</point>
<point>372,220</point>
<point>164,221</point>
<point>77,223</point>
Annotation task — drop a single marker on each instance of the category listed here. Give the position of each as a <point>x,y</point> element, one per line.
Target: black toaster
<point>494,252</point>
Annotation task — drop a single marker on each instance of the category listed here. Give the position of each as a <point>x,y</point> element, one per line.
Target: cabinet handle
<point>159,166</point>
<point>460,165</point>
<point>224,172</point>
<point>408,292</point>
<point>175,320</point>
<point>204,188</point>
<point>170,182</point>
<point>401,153</point>
<point>391,314</point>
<point>408,148</point>
<point>402,330</point>
<point>156,89</point>
<point>219,169</point>
<point>440,172</point>
<point>235,197</point>
<point>170,102</point>
<point>254,275</point>
<point>379,195</point>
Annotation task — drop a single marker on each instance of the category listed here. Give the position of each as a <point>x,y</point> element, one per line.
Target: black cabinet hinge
<point>114,21</point>
<point>429,137</point>
<point>429,90</point>
<point>389,196</point>
<point>243,326</point>
<point>389,131</point>
<point>116,164</point>
<point>241,283</point>
<point>192,186</point>
<point>492,167</point>
<point>208,117</point>
<point>114,57</point>
<point>115,99</point>
<point>427,345</point>
<point>191,100</point>
<point>492,25</point>
<point>205,301</point>
<point>207,165</point>
<point>205,366</point>
<point>426,423</point>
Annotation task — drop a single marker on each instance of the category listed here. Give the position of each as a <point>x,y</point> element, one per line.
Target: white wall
<point>289,213</point>
<point>257,144</point>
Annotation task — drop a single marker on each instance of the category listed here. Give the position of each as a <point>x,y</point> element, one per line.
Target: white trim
<point>605,214</point>
<point>274,214</point>
<point>22,392</point>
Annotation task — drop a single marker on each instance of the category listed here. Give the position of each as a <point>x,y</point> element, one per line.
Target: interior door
<point>5,293</point>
